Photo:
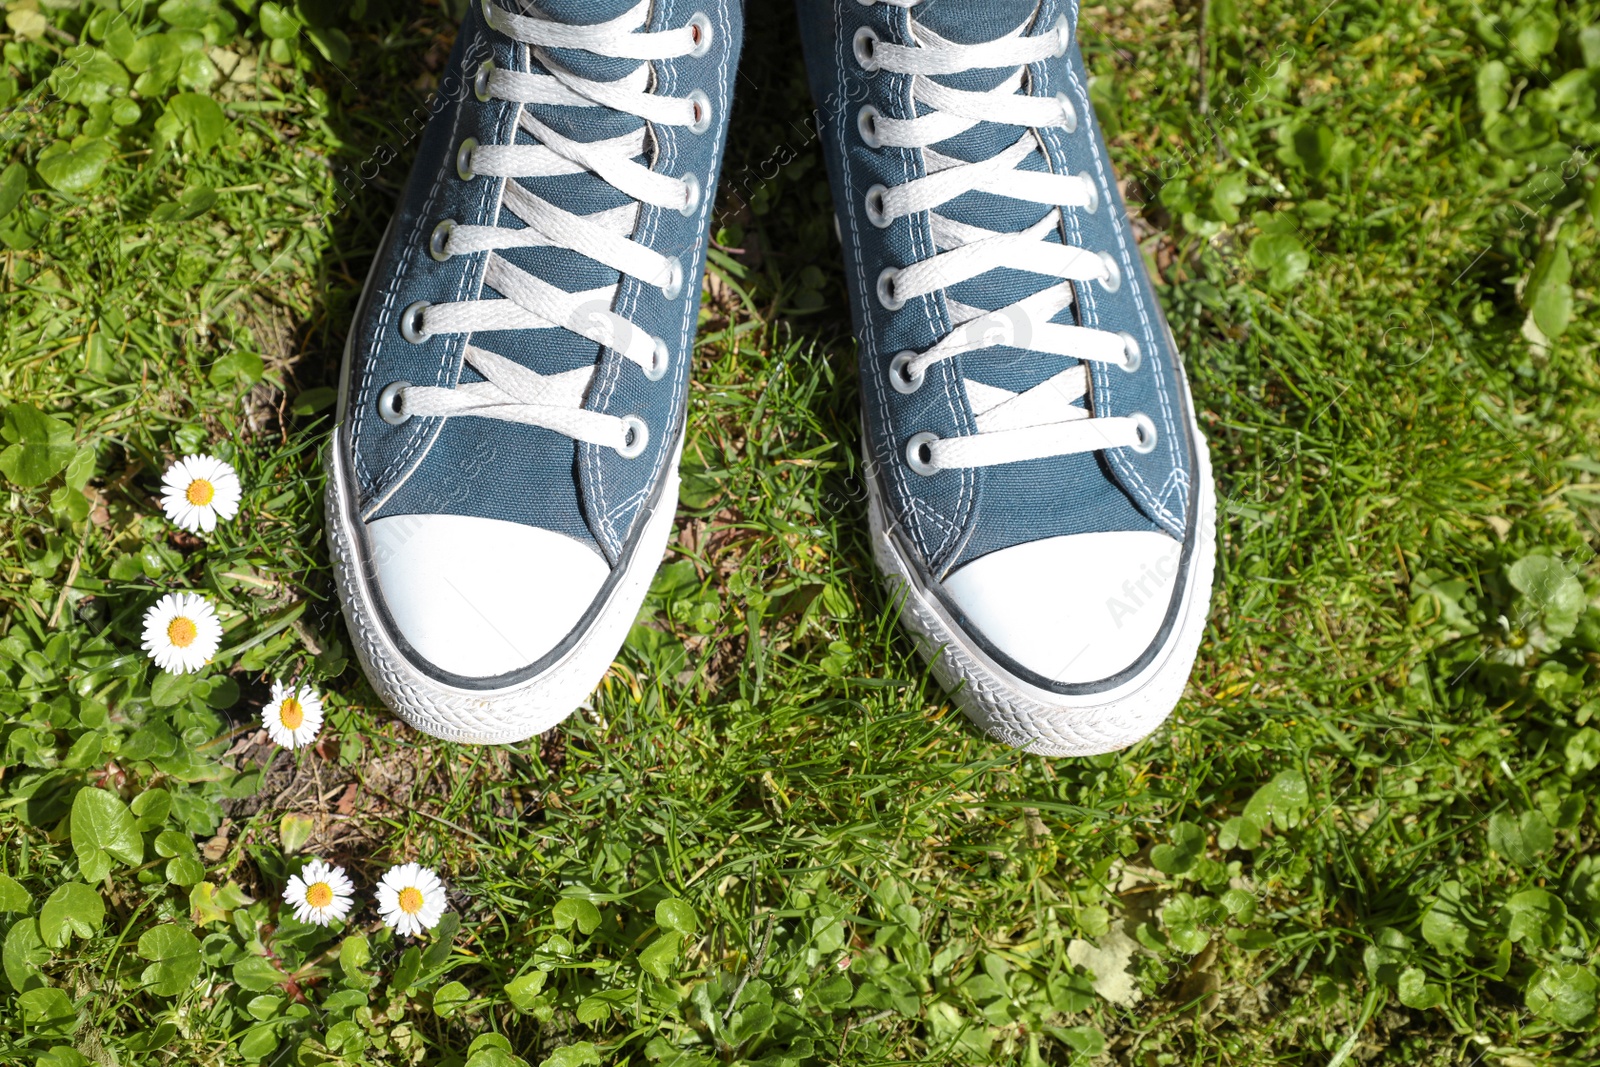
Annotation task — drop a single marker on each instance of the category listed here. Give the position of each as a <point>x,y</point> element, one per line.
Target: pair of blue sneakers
<point>503,476</point>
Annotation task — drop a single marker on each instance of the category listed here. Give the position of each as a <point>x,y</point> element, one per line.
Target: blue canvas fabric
<point>495,469</point>
<point>957,515</point>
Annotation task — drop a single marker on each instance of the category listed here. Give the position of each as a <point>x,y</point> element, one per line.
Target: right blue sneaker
<point>1040,496</point>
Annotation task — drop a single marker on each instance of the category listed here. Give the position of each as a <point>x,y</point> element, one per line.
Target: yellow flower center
<point>410,900</point>
<point>319,894</point>
<point>292,713</point>
<point>182,632</point>
<point>200,492</point>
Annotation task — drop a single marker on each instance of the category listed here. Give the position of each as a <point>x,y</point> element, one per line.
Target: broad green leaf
<point>577,1054</point>
<point>62,1056</point>
<point>1520,839</point>
<point>661,954</point>
<point>1583,751</point>
<point>571,911</point>
<point>257,974</point>
<point>1443,928</point>
<point>174,957</point>
<point>524,989</point>
<point>73,908</point>
<point>406,971</point>
<point>1494,87</point>
<point>189,14</point>
<point>169,843</point>
<point>674,914</point>
<point>1536,918</point>
<point>1188,844</point>
<point>1415,992</point>
<point>593,1010</point>
<point>264,1007</point>
<point>13,186</point>
<point>40,445</point>
<point>88,76</point>
<point>103,833</point>
<point>1282,256</point>
<point>488,1041</point>
<point>185,870</point>
<point>48,1012</point>
<point>1549,291</point>
<point>1564,993</point>
<point>199,115</point>
<point>13,897</point>
<point>332,43</point>
<point>278,23</point>
<point>294,830</point>
<point>449,997</point>
<point>1280,802</point>
<point>1534,32</point>
<point>259,1041</point>
<point>75,168</point>
<point>354,953</point>
<point>25,954</point>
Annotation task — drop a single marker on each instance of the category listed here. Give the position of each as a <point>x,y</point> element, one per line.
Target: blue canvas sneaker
<point>1040,496</point>
<point>503,476</point>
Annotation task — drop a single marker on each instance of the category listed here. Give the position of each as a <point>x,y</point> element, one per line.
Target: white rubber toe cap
<point>482,597</point>
<point>1074,609</point>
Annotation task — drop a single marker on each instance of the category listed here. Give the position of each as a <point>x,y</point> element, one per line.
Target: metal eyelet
<point>919,454</point>
<point>875,207</point>
<point>392,403</point>
<point>636,435</point>
<point>1132,354</point>
<point>904,383</point>
<point>489,11</point>
<point>1094,194</point>
<point>464,159</point>
<point>886,293</point>
<point>1147,433</point>
<point>480,84</point>
<point>700,33</point>
<point>439,240</point>
<point>1113,279</point>
<point>867,126</point>
<point>702,112</point>
<point>660,359</point>
<point>1063,34</point>
<point>1069,113</point>
<point>691,195</point>
<point>411,327</point>
<point>672,288</point>
<point>865,46</point>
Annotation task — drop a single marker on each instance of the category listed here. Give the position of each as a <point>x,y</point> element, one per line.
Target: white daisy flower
<point>411,899</point>
<point>182,632</point>
<point>294,717</point>
<point>320,893</point>
<point>198,490</point>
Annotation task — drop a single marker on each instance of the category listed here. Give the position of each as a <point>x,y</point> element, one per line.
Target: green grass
<point>1367,835</point>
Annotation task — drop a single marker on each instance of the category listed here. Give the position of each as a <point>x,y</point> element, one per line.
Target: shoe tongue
<point>967,23</point>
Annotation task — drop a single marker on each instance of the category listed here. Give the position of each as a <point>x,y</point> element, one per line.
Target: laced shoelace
<point>510,391</point>
<point>1043,421</point>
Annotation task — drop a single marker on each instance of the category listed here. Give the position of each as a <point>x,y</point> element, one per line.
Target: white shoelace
<point>1044,420</point>
<point>511,391</point>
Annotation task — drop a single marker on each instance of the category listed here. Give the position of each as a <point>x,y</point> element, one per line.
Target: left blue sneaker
<point>1040,496</point>
<point>504,474</point>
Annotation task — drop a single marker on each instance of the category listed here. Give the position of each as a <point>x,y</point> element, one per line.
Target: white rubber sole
<point>1034,719</point>
<point>486,717</point>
